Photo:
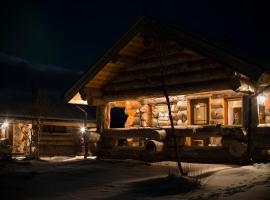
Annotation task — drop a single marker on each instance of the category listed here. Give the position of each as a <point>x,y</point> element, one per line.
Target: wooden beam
<point>154,52</point>
<point>102,118</point>
<point>92,92</point>
<point>120,104</point>
<point>171,60</point>
<point>142,74</point>
<point>95,101</point>
<point>204,86</point>
<point>173,79</point>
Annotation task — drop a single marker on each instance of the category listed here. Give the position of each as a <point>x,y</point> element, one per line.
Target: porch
<point>210,143</point>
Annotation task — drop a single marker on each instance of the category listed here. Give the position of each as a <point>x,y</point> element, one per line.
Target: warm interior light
<point>261,99</point>
<point>83,129</point>
<point>127,102</point>
<point>198,106</point>
<point>5,124</point>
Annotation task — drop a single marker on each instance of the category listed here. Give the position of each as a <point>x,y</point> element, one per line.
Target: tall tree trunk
<point>165,92</point>
<point>172,133</point>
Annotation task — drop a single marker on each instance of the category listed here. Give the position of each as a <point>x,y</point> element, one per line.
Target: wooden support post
<point>108,115</point>
<point>254,112</point>
<point>246,110</point>
<point>103,117</point>
<point>252,123</point>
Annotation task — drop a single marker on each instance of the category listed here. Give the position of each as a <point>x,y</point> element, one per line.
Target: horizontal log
<point>57,143</point>
<point>153,134</point>
<point>216,121</point>
<point>204,86</point>
<point>191,66</point>
<point>94,137</point>
<point>120,104</point>
<point>153,52</point>
<point>171,60</point>
<point>132,104</point>
<point>164,123</point>
<point>216,103</point>
<point>217,113</point>
<point>215,106</point>
<point>153,146</point>
<point>125,60</point>
<point>226,94</point>
<point>171,49</point>
<point>233,132</point>
<point>95,101</point>
<point>180,78</point>
<point>161,100</point>
<point>215,116</point>
<point>93,92</point>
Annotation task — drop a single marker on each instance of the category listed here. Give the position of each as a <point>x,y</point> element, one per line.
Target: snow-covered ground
<point>76,178</point>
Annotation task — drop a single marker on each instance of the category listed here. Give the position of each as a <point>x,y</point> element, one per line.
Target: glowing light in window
<point>261,99</point>
<point>5,124</point>
<point>83,129</point>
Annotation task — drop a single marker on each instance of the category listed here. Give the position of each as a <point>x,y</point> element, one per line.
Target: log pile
<point>182,111</point>
<point>132,109</point>
<point>146,115</point>
<point>139,115</point>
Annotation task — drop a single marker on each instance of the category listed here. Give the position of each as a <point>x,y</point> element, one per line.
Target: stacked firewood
<point>182,112</point>
<point>146,115</point>
<point>160,115</point>
<point>132,110</point>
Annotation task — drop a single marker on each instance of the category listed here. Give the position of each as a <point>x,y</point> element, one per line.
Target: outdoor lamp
<point>5,124</point>
<point>261,99</point>
<point>83,129</point>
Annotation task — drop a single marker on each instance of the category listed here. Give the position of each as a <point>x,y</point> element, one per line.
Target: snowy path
<point>65,178</point>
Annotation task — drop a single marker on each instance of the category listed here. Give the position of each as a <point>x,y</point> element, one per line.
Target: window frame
<point>226,110</point>
<point>193,102</point>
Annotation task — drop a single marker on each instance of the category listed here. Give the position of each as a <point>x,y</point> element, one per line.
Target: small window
<point>264,108</point>
<point>199,111</point>
<point>234,111</point>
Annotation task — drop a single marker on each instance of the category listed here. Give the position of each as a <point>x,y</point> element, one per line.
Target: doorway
<point>118,117</point>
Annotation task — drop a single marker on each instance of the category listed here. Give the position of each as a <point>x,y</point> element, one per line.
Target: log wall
<point>153,112</point>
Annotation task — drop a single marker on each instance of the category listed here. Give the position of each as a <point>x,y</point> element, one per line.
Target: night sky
<point>52,42</point>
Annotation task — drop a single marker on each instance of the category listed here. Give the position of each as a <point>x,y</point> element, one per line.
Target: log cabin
<point>219,102</point>
<point>59,136</point>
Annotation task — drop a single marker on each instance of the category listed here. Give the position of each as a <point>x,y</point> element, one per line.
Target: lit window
<point>264,108</point>
<point>200,111</point>
<point>234,111</point>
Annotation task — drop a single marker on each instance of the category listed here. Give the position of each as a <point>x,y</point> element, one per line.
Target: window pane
<point>264,108</point>
<point>200,113</point>
<point>234,112</point>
